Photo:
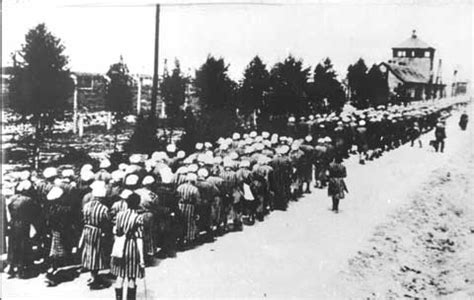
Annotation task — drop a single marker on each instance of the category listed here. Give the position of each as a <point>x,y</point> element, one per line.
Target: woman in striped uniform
<point>58,216</point>
<point>96,227</point>
<point>180,177</point>
<point>229,185</point>
<point>218,215</point>
<point>120,205</point>
<point>189,195</point>
<point>132,264</point>
<point>148,202</point>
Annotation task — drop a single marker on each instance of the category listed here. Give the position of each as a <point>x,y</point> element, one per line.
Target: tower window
<point>427,53</point>
<point>413,54</point>
<point>401,53</point>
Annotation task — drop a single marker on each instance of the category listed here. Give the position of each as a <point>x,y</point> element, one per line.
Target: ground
<point>425,248</point>
<point>405,229</point>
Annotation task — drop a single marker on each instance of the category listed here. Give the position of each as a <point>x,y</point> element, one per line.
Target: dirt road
<point>424,249</point>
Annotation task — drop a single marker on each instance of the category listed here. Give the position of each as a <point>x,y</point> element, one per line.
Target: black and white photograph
<point>237,149</point>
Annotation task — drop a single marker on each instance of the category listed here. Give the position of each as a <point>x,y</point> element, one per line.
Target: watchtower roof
<point>413,43</point>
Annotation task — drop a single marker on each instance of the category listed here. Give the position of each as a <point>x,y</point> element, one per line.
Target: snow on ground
<point>299,253</point>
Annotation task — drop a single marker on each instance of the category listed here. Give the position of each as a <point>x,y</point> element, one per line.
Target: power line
<point>179,4</point>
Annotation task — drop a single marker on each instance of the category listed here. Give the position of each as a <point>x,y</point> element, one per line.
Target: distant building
<point>87,81</point>
<point>6,75</point>
<point>459,88</point>
<point>91,87</point>
<point>411,72</point>
<point>146,80</point>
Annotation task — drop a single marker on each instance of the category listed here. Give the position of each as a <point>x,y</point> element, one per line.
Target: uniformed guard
<point>307,165</point>
<point>463,120</point>
<point>440,135</point>
<point>337,186</point>
<point>361,140</point>
<point>414,134</point>
<point>297,157</point>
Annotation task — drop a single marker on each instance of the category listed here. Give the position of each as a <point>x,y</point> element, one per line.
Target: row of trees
<point>367,87</point>
<point>288,88</point>
<point>41,85</point>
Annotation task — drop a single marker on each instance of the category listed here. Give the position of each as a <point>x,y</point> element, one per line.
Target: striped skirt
<point>129,265</point>
<point>57,245</point>
<point>148,234</point>
<point>93,255</point>
<point>190,228</point>
<point>217,212</point>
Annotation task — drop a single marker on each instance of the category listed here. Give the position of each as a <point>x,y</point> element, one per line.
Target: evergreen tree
<point>357,80</point>
<point>327,93</point>
<point>173,90</point>
<point>40,83</point>
<point>143,139</point>
<point>216,94</point>
<point>255,86</point>
<point>378,87</point>
<point>288,81</point>
<point>214,88</point>
<point>119,95</point>
<point>173,93</point>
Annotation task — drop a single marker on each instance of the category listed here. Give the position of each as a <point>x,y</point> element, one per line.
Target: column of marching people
<point>158,204</point>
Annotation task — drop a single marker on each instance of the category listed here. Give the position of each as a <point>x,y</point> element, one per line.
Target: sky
<point>96,33</point>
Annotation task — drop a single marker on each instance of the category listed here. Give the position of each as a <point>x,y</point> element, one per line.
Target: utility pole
<point>454,84</point>
<point>138,79</point>
<point>154,91</point>
<point>439,81</point>
<point>75,106</point>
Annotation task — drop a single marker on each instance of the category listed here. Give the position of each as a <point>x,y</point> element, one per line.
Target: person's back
<point>188,193</point>
<point>440,135</point>
<point>337,186</point>
<point>337,170</point>
<point>463,121</point>
<point>361,136</point>
<point>22,210</point>
<point>229,181</point>
<point>440,132</point>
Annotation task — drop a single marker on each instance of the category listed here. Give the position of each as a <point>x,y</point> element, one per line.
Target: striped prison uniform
<point>189,196</point>
<point>208,193</point>
<point>148,201</point>
<point>58,219</point>
<point>117,207</point>
<point>217,208</point>
<point>231,196</point>
<point>96,219</point>
<point>129,223</point>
